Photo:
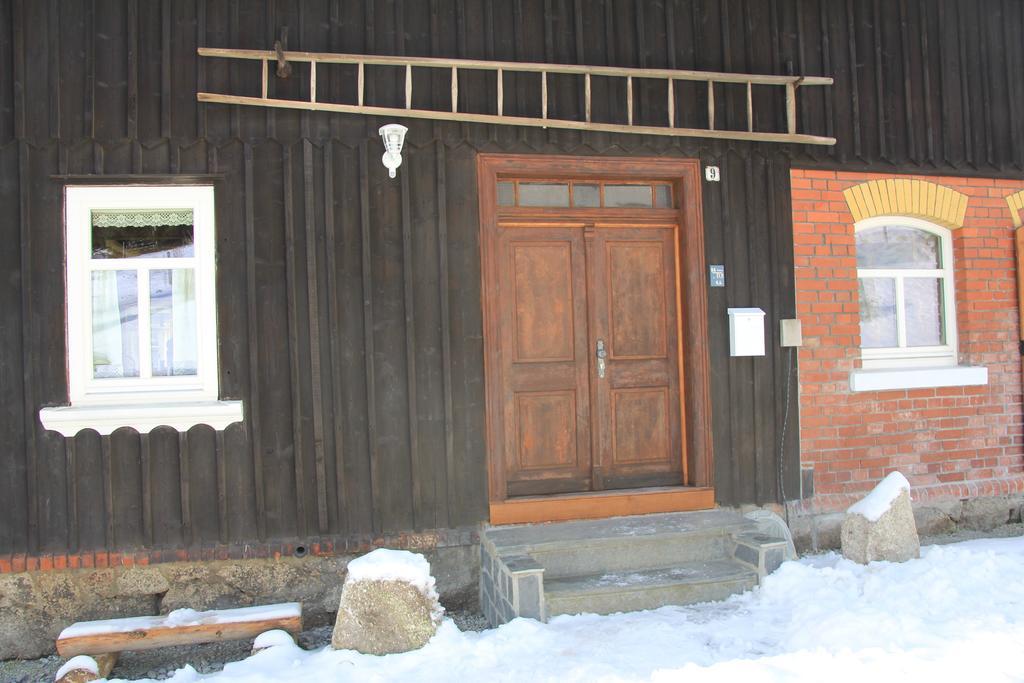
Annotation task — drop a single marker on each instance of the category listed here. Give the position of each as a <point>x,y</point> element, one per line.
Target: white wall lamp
<point>393,135</point>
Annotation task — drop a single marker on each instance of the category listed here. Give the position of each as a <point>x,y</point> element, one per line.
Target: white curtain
<point>183,322</point>
<point>114,306</point>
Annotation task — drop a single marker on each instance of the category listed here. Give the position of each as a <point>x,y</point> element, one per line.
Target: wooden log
<point>101,667</point>
<point>146,633</point>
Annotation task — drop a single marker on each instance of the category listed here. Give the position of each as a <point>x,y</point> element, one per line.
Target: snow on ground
<point>956,614</point>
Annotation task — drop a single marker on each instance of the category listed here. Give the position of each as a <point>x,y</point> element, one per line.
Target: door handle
<point>601,355</point>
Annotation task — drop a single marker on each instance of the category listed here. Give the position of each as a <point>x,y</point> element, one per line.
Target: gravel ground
<point>161,663</point>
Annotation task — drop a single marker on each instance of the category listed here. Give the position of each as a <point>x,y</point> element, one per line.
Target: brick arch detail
<point>907,197</point>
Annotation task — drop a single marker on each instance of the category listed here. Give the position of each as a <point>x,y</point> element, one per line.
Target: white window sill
<point>917,378</point>
<point>142,417</point>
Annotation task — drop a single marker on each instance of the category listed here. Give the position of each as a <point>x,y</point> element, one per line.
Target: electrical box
<point>746,332</point>
<point>790,333</point>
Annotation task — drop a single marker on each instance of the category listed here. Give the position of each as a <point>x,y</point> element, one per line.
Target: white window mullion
<point>145,350</point>
<point>901,317</point>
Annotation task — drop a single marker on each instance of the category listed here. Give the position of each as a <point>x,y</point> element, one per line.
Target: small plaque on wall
<point>717,273</point>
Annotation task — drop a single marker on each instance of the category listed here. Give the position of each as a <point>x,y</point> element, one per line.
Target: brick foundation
<point>950,442</point>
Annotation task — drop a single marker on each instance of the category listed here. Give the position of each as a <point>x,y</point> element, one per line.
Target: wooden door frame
<point>695,397</point>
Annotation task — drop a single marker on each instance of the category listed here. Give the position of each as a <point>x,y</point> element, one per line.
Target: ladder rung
<point>711,105</point>
<point>671,104</point>
<point>455,89</point>
<point>408,86</point>
<point>544,94</point>
<point>586,87</point>
<point>361,82</point>
<point>312,81</point>
<point>629,99</point>
<point>750,107</point>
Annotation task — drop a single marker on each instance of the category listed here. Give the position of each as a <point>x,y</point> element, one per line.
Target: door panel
<point>637,405</point>
<point>543,301</point>
<point>564,427</point>
<point>640,421</point>
<point>547,430</point>
<point>636,280</point>
<point>543,316</point>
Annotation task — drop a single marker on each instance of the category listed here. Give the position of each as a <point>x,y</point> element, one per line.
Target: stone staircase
<point>621,564</point>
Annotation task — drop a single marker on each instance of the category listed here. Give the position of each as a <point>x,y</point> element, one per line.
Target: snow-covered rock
<point>273,638</point>
<point>881,525</point>
<point>84,665</point>
<point>388,604</point>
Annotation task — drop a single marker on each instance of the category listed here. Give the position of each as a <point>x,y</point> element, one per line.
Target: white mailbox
<point>746,332</point>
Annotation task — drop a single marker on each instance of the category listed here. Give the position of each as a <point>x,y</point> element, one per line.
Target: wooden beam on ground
<point>177,628</point>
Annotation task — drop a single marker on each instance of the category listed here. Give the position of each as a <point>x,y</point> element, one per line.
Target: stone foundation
<point>35,606</point>
<point>816,531</point>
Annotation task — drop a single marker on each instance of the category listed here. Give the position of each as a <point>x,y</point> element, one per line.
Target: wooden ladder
<point>791,84</point>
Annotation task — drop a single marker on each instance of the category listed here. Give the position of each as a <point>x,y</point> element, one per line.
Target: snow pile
<point>183,617</point>
<point>79,662</point>
<point>384,564</point>
<point>956,614</point>
<point>881,498</point>
<point>273,638</point>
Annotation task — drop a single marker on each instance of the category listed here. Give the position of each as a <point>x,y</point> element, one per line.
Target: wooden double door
<point>588,331</point>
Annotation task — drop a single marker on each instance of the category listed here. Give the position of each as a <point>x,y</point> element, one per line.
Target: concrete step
<point>624,543</point>
<point>627,591</point>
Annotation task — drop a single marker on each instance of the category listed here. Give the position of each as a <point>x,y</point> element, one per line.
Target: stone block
<point>745,553</point>
<point>982,514</point>
<point>384,617</point>
<point>933,521</point>
<point>142,581</point>
<point>530,592</point>
<point>892,537</point>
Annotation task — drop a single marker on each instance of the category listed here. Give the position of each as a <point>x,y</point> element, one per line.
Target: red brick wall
<point>949,442</point>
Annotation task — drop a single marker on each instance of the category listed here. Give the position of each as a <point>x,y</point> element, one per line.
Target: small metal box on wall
<point>746,332</point>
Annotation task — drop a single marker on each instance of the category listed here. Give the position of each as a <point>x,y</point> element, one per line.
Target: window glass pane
<point>663,196</point>
<point>586,195</point>
<point>894,246</point>
<point>628,196</point>
<point>140,233</point>
<point>877,313</point>
<point>506,194</point>
<point>172,312</point>
<point>115,323</point>
<point>922,297</point>
<point>544,194</point>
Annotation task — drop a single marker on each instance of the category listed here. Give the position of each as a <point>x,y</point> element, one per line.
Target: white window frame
<point>903,356</point>
<point>140,402</point>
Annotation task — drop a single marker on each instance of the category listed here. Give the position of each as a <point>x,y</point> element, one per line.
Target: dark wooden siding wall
<point>349,304</point>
